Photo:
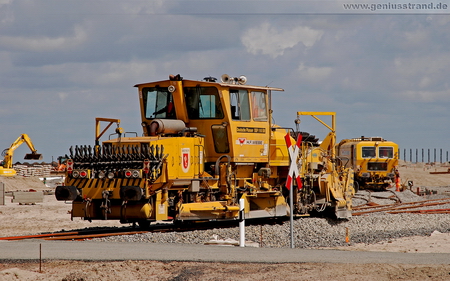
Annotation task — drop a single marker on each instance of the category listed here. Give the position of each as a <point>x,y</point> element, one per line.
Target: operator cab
<point>233,117</point>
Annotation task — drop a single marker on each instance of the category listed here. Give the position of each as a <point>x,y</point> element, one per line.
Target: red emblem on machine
<point>185,156</point>
<point>185,160</point>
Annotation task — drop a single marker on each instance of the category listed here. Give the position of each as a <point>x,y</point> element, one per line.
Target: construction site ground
<point>52,215</point>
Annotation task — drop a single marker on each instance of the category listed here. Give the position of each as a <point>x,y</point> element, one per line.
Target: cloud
<point>267,40</point>
<point>44,43</point>
<point>63,95</point>
<point>422,78</point>
<point>426,96</point>
<point>416,37</point>
<point>71,61</point>
<point>6,15</point>
<point>5,2</point>
<point>314,74</point>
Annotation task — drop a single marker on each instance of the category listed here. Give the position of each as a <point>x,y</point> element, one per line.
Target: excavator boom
<point>6,167</point>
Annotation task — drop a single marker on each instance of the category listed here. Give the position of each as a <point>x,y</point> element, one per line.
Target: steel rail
<point>90,236</point>
<point>98,233</point>
<point>70,235</point>
<point>429,211</point>
<point>39,236</point>
<point>367,206</point>
<point>411,205</point>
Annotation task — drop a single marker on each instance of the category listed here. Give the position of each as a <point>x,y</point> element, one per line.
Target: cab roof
<point>221,84</point>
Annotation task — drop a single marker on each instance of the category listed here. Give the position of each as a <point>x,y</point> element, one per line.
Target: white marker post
<point>241,223</point>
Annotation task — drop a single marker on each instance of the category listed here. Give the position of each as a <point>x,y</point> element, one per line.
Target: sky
<point>383,68</point>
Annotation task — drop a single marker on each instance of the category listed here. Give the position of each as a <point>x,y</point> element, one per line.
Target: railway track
<point>106,232</point>
<point>397,208</point>
<point>365,209</point>
<point>73,235</point>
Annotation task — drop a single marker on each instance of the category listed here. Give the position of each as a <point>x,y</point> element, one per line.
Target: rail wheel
<point>144,224</point>
<point>356,186</point>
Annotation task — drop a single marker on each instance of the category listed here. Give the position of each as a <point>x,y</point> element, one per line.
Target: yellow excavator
<point>6,168</point>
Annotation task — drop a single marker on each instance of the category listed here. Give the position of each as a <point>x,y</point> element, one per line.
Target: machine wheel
<point>356,186</point>
<point>144,224</point>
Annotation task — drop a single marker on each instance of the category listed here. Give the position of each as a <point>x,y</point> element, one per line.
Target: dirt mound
<point>16,183</point>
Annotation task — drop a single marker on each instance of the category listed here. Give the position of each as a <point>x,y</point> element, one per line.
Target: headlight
<point>80,174</point>
<point>136,174</point>
<point>83,174</point>
<point>132,174</point>
<point>76,174</point>
<point>101,174</point>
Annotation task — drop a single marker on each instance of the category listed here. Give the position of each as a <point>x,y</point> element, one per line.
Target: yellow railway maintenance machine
<point>374,161</point>
<point>205,145</point>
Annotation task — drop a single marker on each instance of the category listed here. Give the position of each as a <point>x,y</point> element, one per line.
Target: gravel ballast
<point>313,232</point>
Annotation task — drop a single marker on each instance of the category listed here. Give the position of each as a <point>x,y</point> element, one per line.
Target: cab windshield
<point>158,103</point>
<point>386,152</point>
<point>368,152</point>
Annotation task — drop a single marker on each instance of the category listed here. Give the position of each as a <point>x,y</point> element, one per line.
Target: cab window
<point>220,138</point>
<point>239,105</point>
<point>158,103</point>
<point>203,103</point>
<point>385,152</point>
<point>368,152</point>
<point>259,106</point>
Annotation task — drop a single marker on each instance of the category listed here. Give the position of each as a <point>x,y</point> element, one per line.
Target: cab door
<point>249,129</point>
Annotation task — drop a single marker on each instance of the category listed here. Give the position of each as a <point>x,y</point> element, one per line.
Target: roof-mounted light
<point>233,80</point>
<point>210,79</point>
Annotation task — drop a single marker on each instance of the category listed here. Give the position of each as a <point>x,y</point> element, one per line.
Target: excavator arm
<point>9,152</point>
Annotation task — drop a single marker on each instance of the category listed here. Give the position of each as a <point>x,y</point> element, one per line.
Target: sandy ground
<point>49,216</point>
<point>52,215</point>
<point>420,175</point>
<point>183,271</point>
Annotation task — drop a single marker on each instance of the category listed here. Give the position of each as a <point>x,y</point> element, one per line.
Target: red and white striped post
<point>294,151</point>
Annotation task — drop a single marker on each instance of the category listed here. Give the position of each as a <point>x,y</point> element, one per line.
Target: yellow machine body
<point>374,161</point>
<point>205,145</point>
